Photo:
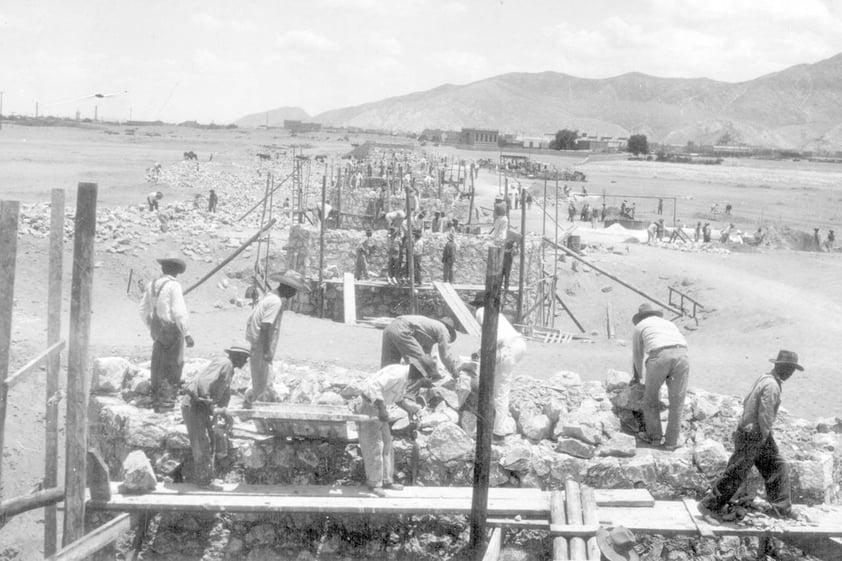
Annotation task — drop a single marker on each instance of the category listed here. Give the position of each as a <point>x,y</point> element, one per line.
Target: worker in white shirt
<point>165,314</point>
<point>511,346</point>
<point>665,349</point>
<point>500,229</point>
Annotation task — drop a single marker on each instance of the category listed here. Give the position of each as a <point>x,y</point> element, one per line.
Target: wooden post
<point>555,252</point>
<point>76,439</point>
<point>522,273</point>
<point>53,363</point>
<point>471,206</point>
<point>8,256</point>
<point>573,504</point>
<point>609,320</point>
<point>410,250</point>
<point>322,247</point>
<point>558,517</point>
<point>485,406</point>
<point>506,194</point>
<point>339,197</point>
<point>590,517</point>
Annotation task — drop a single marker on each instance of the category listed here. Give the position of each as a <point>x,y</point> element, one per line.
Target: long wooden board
<point>459,309</point>
<point>94,541</point>
<point>349,299</point>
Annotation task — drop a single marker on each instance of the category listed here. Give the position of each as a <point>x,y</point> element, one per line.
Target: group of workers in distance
<point>407,364</point>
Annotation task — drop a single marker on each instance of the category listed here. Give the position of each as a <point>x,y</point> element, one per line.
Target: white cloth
<point>500,230</point>
<point>170,303</point>
<point>511,346</point>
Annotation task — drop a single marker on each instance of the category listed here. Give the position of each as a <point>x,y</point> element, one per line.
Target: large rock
<point>516,455</point>
<point>678,473</point>
<point>704,405</point>
<point>261,534</point>
<point>536,428</point>
<point>575,448</point>
<point>138,475</point>
<point>619,445</point>
<point>710,456</point>
<point>616,380</point>
<point>145,431</point>
<point>813,478</point>
<point>449,443</point>
<point>585,433</point>
<point>109,373</point>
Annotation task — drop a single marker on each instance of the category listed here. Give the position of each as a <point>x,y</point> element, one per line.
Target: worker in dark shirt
<point>448,258</point>
<point>754,444</point>
<point>205,397</point>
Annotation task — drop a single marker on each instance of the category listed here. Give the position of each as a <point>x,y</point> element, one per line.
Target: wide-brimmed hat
<point>451,327</point>
<point>241,348</point>
<point>427,366</point>
<point>787,357</point>
<point>617,544</point>
<point>292,279</point>
<point>173,260</point>
<point>644,311</point>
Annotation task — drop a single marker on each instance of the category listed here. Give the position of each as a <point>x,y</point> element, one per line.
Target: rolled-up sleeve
<point>178,308</point>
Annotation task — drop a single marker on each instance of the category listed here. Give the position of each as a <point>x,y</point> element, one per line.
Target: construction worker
<point>165,314</point>
<point>830,241</point>
<point>262,330</point>
<point>660,206</point>
<point>500,229</point>
<point>414,336</point>
<point>754,444</point>
<point>205,398</point>
<point>212,201</point>
<point>395,253</point>
<point>364,251</point>
<point>417,253</point>
<point>387,387</point>
<point>153,198</point>
<point>448,257</point>
<point>511,347</point>
<point>665,349</point>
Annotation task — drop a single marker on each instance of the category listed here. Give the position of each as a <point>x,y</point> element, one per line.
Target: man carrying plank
<point>205,397</point>
<point>389,386</point>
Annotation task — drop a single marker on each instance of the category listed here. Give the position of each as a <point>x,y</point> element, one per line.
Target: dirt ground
<point>756,301</point>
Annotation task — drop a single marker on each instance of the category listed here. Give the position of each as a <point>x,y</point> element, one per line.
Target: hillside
<point>276,117</point>
<point>799,107</point>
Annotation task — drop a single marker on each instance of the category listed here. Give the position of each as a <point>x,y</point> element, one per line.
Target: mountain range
<point>799,107</point>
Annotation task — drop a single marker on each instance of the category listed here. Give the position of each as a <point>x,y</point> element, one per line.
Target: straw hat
<point>175,260</point>
<point>644,311</point>
<point>241,348</point>
<point>292,279</point>
<point>617,544</point>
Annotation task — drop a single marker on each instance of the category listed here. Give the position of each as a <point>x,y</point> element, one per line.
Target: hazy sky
<point>217,60</point>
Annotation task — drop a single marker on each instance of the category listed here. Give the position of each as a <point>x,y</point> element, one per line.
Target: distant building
<point>539,142</point>
<point>300,126</point>
<point>479,137</point>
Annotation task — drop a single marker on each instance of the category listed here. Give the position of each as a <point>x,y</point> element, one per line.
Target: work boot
<point>393,486</point>
<point>707,513</point>
<point>377,490</point>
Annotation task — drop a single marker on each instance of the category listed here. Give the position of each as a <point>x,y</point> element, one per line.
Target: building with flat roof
<point>479,137</point>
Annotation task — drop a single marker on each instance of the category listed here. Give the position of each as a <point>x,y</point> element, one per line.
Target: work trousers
<point>751,449</point>
<point>395,267</point>
<point>361,268</point>
<point>262,376</point>
<point>448,271</point>
<point>670,366</point>
<point>376,447</point>
<point>399,342</point>
<point>509,353</point>
<point>416,264</point>
<point>198,418</point>
<point>165,371</point>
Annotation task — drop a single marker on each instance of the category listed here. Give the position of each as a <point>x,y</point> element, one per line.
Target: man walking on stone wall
<point>665,349</point>
<point>262,330</point>
<point>754,443</point>
<point>165,314</point>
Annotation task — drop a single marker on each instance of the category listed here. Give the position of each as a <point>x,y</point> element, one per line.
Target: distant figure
<point>831,240</point>
<point>651,233</point>
<point>395,245</point>
<point>632,210</point>
<point>417,252</point>
<point>714,209</point>
<point>566,191</point>
<point>660,229</point>
<point>571,212</point>
<point>624,208</point>
<point>286,206</point>
<point>585,215</point>
<point>212,201</point>
<point>698,232</point>
<point>728,208</point>
<point>364,251</point>
<point>706,232</point>
<point>726,234</point>
<point>153,198</point>
<point>500,229</point>
<point>448,258</point>
<point>817,238</point>
<point>602,213</point>
<point>528,201</point>
<point>660,206</point>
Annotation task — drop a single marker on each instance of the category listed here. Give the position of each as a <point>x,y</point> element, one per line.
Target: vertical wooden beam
<point>555,251</point>
<point>485,406</point>
<point>339,197</point>
<point>471,206</point>
<point>522,272</point>
<point>573,506</point>
<point>8,257</point>
<point>590,517</point>
<point>609,320</point>
<point>56,268</point>
<point>410,250</point>
<point>76,440</point>
<point>322,247</point>
<point>558,516</point>
<point>506,195</point>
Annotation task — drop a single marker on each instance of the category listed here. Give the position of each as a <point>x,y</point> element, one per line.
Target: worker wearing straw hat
<point>262,332</point>
<point>165,314</point>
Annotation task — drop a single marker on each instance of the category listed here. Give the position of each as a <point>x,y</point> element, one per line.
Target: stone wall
<point>564,428</point>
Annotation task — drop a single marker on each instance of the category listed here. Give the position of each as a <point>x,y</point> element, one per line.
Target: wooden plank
<point>78,363</point>
<point>495,542</point>
<point>459,308</point>
<point>300,416</point>
<point>702,526</point>
<point>31,501</point>
<point>349,299</point>
<point>8,256</point>
<point>35,362</point>
<point>89,544</point>
<point>573,509</point>
<point>558,518</point>
<point>55,271</point>
<point>590,517</point>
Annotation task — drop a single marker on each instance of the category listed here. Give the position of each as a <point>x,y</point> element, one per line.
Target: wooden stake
<point>55,272</point>
<point>590,517</point>
<point>573,504</point>
<point>410,250</point>
<point>521,272</point>
<point>338,197</point>
<point>78,363</point>
<point>471,206</point>
<point>558,518</point>
<point>8,256</point>
<point>322,247</point>
<point>609,320</point>
<point>485,407</point>
<point>569,313</point>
